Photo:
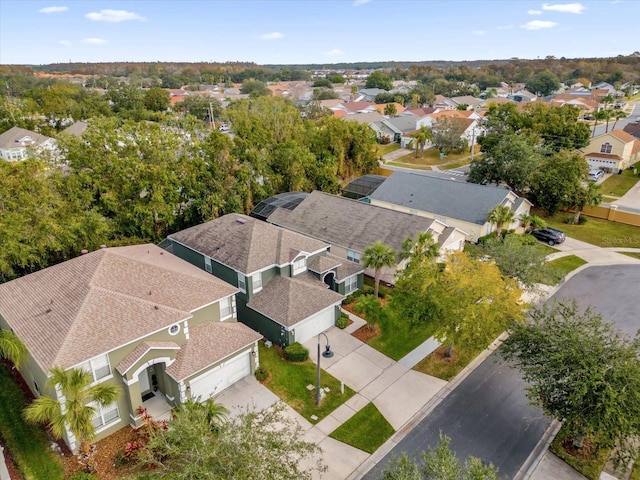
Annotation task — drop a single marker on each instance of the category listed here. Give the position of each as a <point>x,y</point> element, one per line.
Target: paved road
<point>611,290</point>
<point>634,116</point>
<point>487,416</point>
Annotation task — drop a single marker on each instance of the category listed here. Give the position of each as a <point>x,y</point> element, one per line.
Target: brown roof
<point>622,135</point>
<point>245,243</point>
<point>420,111</point>
<point>357,106</point>
<point>381,106</point>
<point>209,343</point>
<point>452,113</point>
<point>140,350</point>
<point>73,311</point>
<point>604,155</point>
<point>288,301</point>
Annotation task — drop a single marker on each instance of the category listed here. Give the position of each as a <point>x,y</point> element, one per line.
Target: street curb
<point>534,458</point>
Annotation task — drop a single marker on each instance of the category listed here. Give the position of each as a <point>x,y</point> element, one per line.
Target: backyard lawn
<point>366,430</point>
<point>289,381</point>
<point>602,233</point>
<point>27,444</point>
<point>618,185</point>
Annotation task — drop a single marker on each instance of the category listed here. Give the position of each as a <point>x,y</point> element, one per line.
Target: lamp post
<point>326,354</point>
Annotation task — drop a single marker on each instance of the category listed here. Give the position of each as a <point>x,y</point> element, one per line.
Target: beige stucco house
<point>613,151</point>
<point>162,330</point>
<point>19,144</point>
<point>456,203</point>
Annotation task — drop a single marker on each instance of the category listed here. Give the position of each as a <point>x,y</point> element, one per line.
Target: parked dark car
<point>549,235</point>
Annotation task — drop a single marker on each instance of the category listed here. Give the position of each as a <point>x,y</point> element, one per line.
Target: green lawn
<point>631,254</point>
<point>589,467</point>
<point>417,167</point>
<point>635,473</point>
<point>618,185</point>
<point>28,444</point>
<point>366,430</point>
<point>390,147</point>
<point>451,166</point>
<point>567,264</point>
<point>446,369</point>
<point>602,233</point>
<point>290,380</point>
<point>431,157</point>
<point>546,249</point>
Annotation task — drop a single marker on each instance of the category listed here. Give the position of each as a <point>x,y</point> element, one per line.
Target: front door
<point>143,378</point>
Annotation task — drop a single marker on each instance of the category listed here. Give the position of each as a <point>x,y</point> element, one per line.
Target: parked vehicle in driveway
<point>549,235</point>
<point>595,175</point>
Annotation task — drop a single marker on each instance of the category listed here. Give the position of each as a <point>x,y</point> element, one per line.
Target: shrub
<point>581,221</point>
<point>343,321</point>
<point>83,476</point>
<point>261,374</point>
<point>296,352</point>
<point>483,239</point>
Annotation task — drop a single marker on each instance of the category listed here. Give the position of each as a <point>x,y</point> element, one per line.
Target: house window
<point>351,284</point>
<point>225,308</point>
<point>606,147</point>
<point>299,265</point>
<point>174,329</point>
<point>353,256</point>
<point>105,415</point>
<point>242,283</point>
<point>207,264</point>
<point>98,367</point>
<point>257,282</point>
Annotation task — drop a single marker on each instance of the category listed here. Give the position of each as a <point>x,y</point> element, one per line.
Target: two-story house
<point>290,286</point>
<point>613,151</point>
<point>137,317</point>
<point>20,144</point>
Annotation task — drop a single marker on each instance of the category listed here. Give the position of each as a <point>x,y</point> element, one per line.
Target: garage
<point>221,377</point>
<point>313,325</point>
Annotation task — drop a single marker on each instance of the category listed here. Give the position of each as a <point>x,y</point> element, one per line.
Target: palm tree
<point>369,306</point>
<point>208,411</point>
<point>608,114</point>
<point>500,216</point>
<point>77,416</point>
<point>531,221</point>
<point>421,137</point>
<point>378,256</point>
<point>599,115</point>
<point>423,247</point>
<point>12,348</point>
<point>617,114</point>
<point>586,196</point>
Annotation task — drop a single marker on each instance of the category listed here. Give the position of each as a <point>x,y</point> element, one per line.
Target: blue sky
<point>300,31</point>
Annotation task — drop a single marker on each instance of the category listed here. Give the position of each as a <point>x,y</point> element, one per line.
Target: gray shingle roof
<point>350,223</point>
<point>450,198</point>
<point>209,343</point>
<point>73,311</point>
<point>245,243</point>
<point>11,138</point>
<point>344,268</point>
<point>402,124</point>
<point>288,301</point>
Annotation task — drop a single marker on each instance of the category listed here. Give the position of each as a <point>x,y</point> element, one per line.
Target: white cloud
<point>94,41</point>
<point>534,12</point>
<point>271,36</point>
<point>504,27</point>
<point>334,52</point>
<point>360,2</point>
<point>479,32</point>
<point>538,25</point>
<point>114,16</point>
<point>53,9</point>
<point>65,43</point>
<point>576,8</point>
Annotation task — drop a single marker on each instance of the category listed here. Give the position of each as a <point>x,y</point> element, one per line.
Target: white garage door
<point>221,377</point>
<point>315,324</point>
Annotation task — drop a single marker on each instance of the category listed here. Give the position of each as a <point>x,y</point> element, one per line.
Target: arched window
<point>606,147</point>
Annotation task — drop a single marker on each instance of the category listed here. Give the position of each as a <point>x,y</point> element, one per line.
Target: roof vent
<point>102,247</point>
<point>156,307</point>
<point>84,251</point>
<point>240,220</point>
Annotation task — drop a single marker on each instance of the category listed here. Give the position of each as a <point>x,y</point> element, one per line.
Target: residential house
<point>77,129</point>
<point>443,103</point>
<point>613,151</point>
<point>633,129</point>
<point>368,94</point>
<point>471,102</point>
<point>611,90</point>
<point>523,96</point>
<point>587,103</point>
<point>350,226</point>
<point>381,107</point>
<point>456,203</point>
<point>20,144</point>
<point>355,107</point>
<point>468,121</point>
<point>290,286</point>
<point>395,127</point>
<point>161,330</point>
<point>366,118</point>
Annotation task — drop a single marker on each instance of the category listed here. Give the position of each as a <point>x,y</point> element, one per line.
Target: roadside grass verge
<point>388,148</point>
<point>437,365</point>
<point>406,165</point>
<point>27,444</point>
<point>631,254</point>
<point>451,166</point>
<point>289,381</point>
<point>618,185</point>
<point>546,249</point>
<point>565,265</point>
<point>589,467</point>
<point>397,337</point>
<point>596,231</point>
<point>366,430</point>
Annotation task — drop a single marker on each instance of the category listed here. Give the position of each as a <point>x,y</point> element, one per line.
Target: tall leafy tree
<point>581,371</point>
<point>379,80</point>
<point>77,414</point>
<point>544,83</point>
<point>378,256</point>
<point>447,134</point>
<point>157,99</point>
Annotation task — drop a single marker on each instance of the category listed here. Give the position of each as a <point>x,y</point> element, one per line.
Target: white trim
<point>230,308</point>
<point>171,328</point>
<point>147,351</point>
<point>221,362</point>
<point>253,282</point>
<point>148,364</point>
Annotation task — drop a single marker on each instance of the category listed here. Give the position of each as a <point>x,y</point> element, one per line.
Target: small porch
<point>157,405</point>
